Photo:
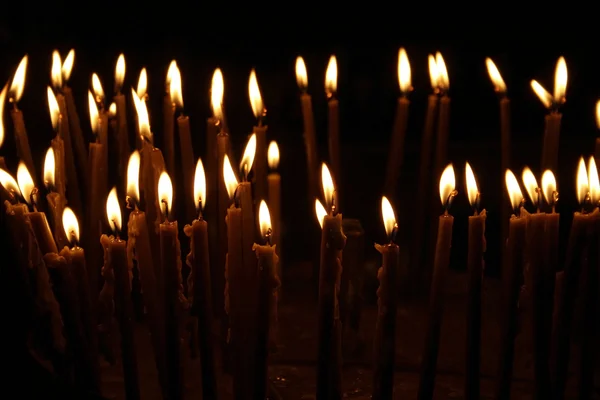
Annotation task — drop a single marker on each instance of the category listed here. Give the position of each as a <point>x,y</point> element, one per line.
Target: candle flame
<point>200,185</point>
<point>433,72</point>
<point>56,70</point>
<point>549,187</point>
<point>542,94</point>
<point>404,75</point>
<point>133,176</point>
<point>231,182</point>
<point>175,87</point>
<point>593,181</point>
<point>256,102</point>
<point>497,81</point>
<point>112,110</point>
<point>170,72</point>
<point>67,66</point>
<point>25,182</point>
<point>583,184</point>
<point>328,186</point>
<point>301,74</point>
<point>531,185</point>
<point>71,225</point>
<point>273,155</point>
<point>389,216</point>
<point>18,82</point>
<point>53,107</point>
<point>443,80</point>
<point>2,102</point>
<point>94,121</point>
<point>264,219</point>
<point>598,114</point>
<point>119,72</point>
<point>142,116</point>
<point>97,88</point>
<point>113,211</point>
<point>331,77</point>
<point>165,194</point>
<point>142,86</point>
<point>248,158</point>
<point>447,185</point>
<point>217,89</point>
<point>49,168</point>
<point>514,191</point>
<point>320,212</point>
<point>472,190</point>
<point>560,81</point>
<point>8,182</point>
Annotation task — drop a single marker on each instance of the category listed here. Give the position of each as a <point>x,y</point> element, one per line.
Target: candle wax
<point>122,134</point>
<point>56,206</point>
<point>75,129</point>
<point>221,204</point>
<point>169,133</point>
<point>42,232</point>
<point>69,168</point>
<point>259,167</point>
<point>333,131</point>
<point>551,141</point>
<point>59,165</point>
<point>274,185</point>
<point>187,165</point>
<point>22,141</point>
<point>310,143</point>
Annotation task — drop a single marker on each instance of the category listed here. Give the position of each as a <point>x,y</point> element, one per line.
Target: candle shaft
<point>56,205</point>
<point>97,190</point>
<point>22,140</point>
<point>122,135</point>
<point>505,163</point>
<point>259,166</point>
<point>310,142</point>
<point>169,134</point>
<point>212,182</point>
<point>443,131</point>
<point>58,147</point>
<point>72,179</point>
<point>187,164</point>
<point>274,180</point>
<point>75,129</point>
<point>221,209</point>
<point>353,267</point>
<point>42,232</point>
<point>396,153</point>
<point>551,141</point>
<point>333,132</point>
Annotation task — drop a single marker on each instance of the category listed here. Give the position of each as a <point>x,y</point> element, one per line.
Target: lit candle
<point>511,285</point>
<point>122,134</point>
<point>387,301</point>
<point>117,273</point>
<point>553,119</point>
<point>58,145</point>
<point>477,246</point>
<point>440,267</point>
<point>333,121</point>
<point>274,181</point>
<point>333,240</point>
<point>141,91</point>
<point>169,118</point>
<point>56,202</point>
<point>260,130</point>
<point>396,151</point>
<point>98,95</point>
<point>443,127</point>
<point>213,128</point>
<point>2,128</point>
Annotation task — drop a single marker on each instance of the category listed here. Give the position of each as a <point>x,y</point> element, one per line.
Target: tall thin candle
<point>443,123</point>
<point>56,202</point>
<point>58,145</point>
<point>122,132</point>
<point>260,130</point>
<point>333,122</point>
<point>142,94</point>
<point>169,119</point>
<point>274,180</point>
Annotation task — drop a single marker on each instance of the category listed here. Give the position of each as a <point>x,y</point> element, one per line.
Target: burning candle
<point>169,116</point>
<point>2,128</point>
<point>56,202</point>
<point>142,94</point>
<point>440,267</point>
<point>396,152</point>
<point>333,240</point>
<point>553,119</point>
<point>443,127</point>
<point>387,300</point>
<point>333,123</point>
<point>260,130</point>
<point>58,145</point>
<point>122,134</point>
<point>213,128</point>
<point>274,180</point>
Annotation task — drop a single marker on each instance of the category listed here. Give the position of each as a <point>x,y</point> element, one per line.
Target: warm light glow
<point>560,81</point>
<point>542,94</point>
<point>71,225</point>
<point>404,77</point>
<point>320,212</point>
<point>531,185</point>
<point>328,186</point>
<point>199,185</point>
<point>472,190</point>
<point>549,186</point>
<point>112,110</point>
<point>389,217</point>
<point>142,86</point>
<point>49,168</point>
<point>593,181</point>
<point>433,72</point>
<point>331,77</point>
<point>25,182</point>
<point>583,185</point>
<point>497,81</point>
<point>301,74</point>
<point>598,114</point>
<point>113,211</point>
<point>2,102</point>
<point>97,88</point>
<point>93,112</point>
<point>18,82</point>
<point>56,70</point>
<point>514,191</point>
<point>119,73</point>
<point>248,158</point>
<point>133,176</point>
<point>142,116</point>
<point>67,66</point>
<point>170,73</point>
<point>53,107</point>
<point>175,87</point>
<point>443,80</point>
<point>264,219</point>
<point>273,155</point>
<point>231,182</point>
<point>8,182</point>
<point>217,89</point>
<point>256,102</point>
<point>165,193</point>
<point>447,185</point>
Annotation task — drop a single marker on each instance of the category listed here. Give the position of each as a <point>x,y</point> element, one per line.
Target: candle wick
<point>116,229</point>
<point>14,103</point>
<point>73,238</point>
<point>13,196</point>
<point>200,217</point>
<point>268,236</point>
<point>32,198</point>
<point>131,203</point>
<point>451,196</point>
<point>166,205</point>
<point>394,233</point>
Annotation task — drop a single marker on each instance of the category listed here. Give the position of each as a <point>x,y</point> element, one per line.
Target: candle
<point>174,300</point>
<point>199,284</point>
<point>477,246</point>
<point>2,128</point>
<point>310,141</point>
<point>597,146</point>
<point>260,130</point>
<point>333,124</point>
<point>551,241</point>
<point>440,267</point>
<point>268,281</point>
<point>333,241</point>
<point>213,127</point>
<point>387,300</point>
<point>443,127</point>
<point>168,118</point>
<point>117,272</point>
<point>56,202</point>
<point>122,134</point>
<point>274,180</point>
<point>142,94</point>
<point>511,285</point>
<point>396,151</point>
<point>58,145</point>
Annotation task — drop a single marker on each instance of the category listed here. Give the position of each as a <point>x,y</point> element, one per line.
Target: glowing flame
<point>8,182</point>
<point>94,121</point>
<point>443,80</point>
<point>97,88</point>
<point>497,81</point>
<point>549,186</point>
<point>583,184</point>
<point>112,110</point>
<point>25,182</point>
<point>264,219</point>
<point>49,168</point>
<point>71,225</point>
<point>133,176</point>
<point>389,217</point>
<point>514,191</point>
<point>165,193</point>
<point>142,86</point>
<point>18,82</point>
<point>598,114</point>
<point>320,212</point>
<point>542,94</point>
<point>331,77</point>
<point>170,73</point>
<point>142,116</point>
<point>447,185</point>
<point>403,71</point>
<point>67,66</point>
<point>593,181</point>
<point>273,155</point>
<point>56,70</point>
<point>255,98</point>
<point>301,74</point>
<point>199,185</point>
<point>113,211</point>
<point>119,73</point>
<point>231,182</point>
<point>53,107</point>
<point>2,102</point>
<point>175,88</point>
<point>531,185</point>
<point>433,72</point>
<point>248,158</point>
<point>560,81</point>
<point>472,190</point>
<point>217,90</point>
<point>328,186</point>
